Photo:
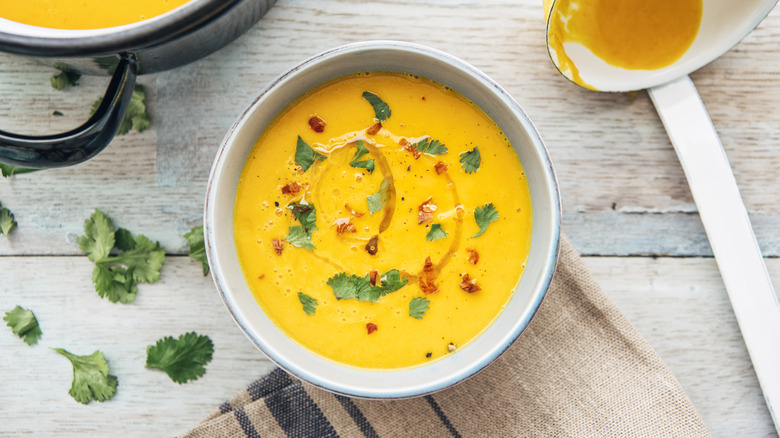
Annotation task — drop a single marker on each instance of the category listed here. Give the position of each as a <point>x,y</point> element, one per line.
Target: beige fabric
<point>579,370</point>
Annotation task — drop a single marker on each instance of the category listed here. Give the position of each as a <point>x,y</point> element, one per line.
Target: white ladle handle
<point>728,228</point>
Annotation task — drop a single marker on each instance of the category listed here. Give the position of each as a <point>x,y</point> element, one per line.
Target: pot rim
<point>28,40</point>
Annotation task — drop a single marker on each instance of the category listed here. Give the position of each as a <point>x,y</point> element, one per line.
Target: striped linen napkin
<point>579,370</point>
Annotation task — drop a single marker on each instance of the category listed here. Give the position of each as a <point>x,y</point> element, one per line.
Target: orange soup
<point>84,14</point>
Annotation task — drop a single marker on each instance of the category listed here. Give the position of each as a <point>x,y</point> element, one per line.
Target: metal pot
<point>179,37</point>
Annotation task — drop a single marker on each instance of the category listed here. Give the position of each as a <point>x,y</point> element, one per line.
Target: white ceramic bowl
<point>220,244</point>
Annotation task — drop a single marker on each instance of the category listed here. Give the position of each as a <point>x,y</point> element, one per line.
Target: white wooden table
<point>627,209</point>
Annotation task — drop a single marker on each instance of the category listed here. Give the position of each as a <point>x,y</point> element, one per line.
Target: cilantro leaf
<point>297,236</point>
<point>306,214</point>
<point>470,160</point>
<point>116,274</point>
<point>365,164</point>
<point>484,215</point>
<point>378,200</point>
<point>183,359</point>
<point>67,77</point>
<point>428,146</point>
<point>7,170</point>
<point>305,155</point>
<point>381,109</point>
<point>346,286</point>
<point>135,115</point>
<point>24,324</point>
<point>197,244</point>
<point>91,380</point>
<point>436,233</point>
<point>391,281</point>
<point>7,221</point>
<point>418,307</point>
<point>309,303</point>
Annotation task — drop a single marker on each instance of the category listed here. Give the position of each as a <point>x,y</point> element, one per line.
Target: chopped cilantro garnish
<point>24,324</point>
<point>297,236</point>
<point>346,286</point>
<point>91,380</point>
<point>418,306</point>
<point>197,246</point>
<point>359,153</point>
<point>381,109</point>
<point>428,146</point>
<point>378,200</point>
<point>436,233</point>
<point>7,220</point>
<point>484,215</point>
<point>7,170</point>
<point>305,155</point>
<point>117,276</point>
<point>135,115</point>
<point>66,77</point>
<point>470,160</point>
<point>309,303</point>
<point>300,235</point>
<point>183,359</point>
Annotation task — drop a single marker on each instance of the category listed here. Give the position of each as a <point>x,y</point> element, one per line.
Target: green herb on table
<point>381,109</point>
<point>183,359</point>
<point>436,233</point>
<point>67,77</point>
<point>7,170</point>
<point>347,286</point>
<point>24,324</point>
<point>305,156</point>
<point>432,147</point>
<point>121,260</point>
<point>197,246</point>
<point>470,160</point>
<point>57,113</point>
<point>135,116</point>
<point>359,153</point>
<point>484,216</point>
<point>418,307</point>
<point>300,235</point>
<point>378,200</point>
<point>91,380</point>
<point>7,221</point>
<point>309,304</point>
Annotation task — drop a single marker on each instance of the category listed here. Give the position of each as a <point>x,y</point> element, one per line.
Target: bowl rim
<point>543,282</point>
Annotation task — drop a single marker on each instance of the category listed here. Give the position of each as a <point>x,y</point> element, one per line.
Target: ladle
<point>723,24</point>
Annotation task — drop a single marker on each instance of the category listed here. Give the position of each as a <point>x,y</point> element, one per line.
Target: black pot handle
<point>82,143</point>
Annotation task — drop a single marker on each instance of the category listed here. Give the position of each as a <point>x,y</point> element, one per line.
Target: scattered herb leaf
<point>346,286</point>
<point>418,307</point>
<point>470,160</point>
<point>436,233</point>
<point>381,109</point>
<point>484,215</point>
<point>305,155</point>
<point>378,200</point>
<point>309,303</point>
<point>91,380</point>
<point>197,245</point>
<point>135,115</point>
<point>57,113</point>
<point>183,359</point>
<point>432,147</point>
<point>306,214</point>
<point>117,276</point>
<point>7,170</point>
<point>66,77</point>
<point>298,237</point>
<point>24,324</point>
<point>7,221</point>
<point>359,153</point>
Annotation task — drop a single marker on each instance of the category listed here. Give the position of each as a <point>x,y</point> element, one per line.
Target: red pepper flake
<point>440,167</point>
<point>291,188</point>
<point>278,246</point>
<point>344,225</point>
<point>469,285</point>
<point>428,267</point>
<point>373,245</point>
<point>425,211</point>
<point>261,276</point>
<point>429,276</point>
<point>371,327</point>
<point>372,276</point>
<point>354,213</point>
<point>473,256</point>
<point>428,286</point>
<point>317,124</point>
<point>373,129</point>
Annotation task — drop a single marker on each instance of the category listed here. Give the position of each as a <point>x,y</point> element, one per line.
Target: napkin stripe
<point>225,407</point>
<point>245,423</point>
<point>442,416</point>
<point>297,414</point>
<point>274,381</point>
<point>360,419</point>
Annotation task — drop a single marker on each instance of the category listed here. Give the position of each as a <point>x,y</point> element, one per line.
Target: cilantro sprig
<point>197,245</point>
<point>183,359</point>
<point>367,164</point>
<point>6,170</point>
<point>67,77</point>
<point>24,324</point>
<point>484,216</point>
<point>91,380</point>
<point>418,307</point>
<point>300,235</point>
<point>309,304</point>
<point>121,260</point>
<point>135,115</point>
<point>378,200</point>
<point>305,156</point>
<point>7,221</point>
<point>432,147</point>
<point>348,286</point>
<point>381,109</point>
<point>436,233</point>
<point>470,160</point>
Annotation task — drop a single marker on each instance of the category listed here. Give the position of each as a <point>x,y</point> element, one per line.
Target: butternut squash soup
<point>382,220</point>
<point>84,14</point>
